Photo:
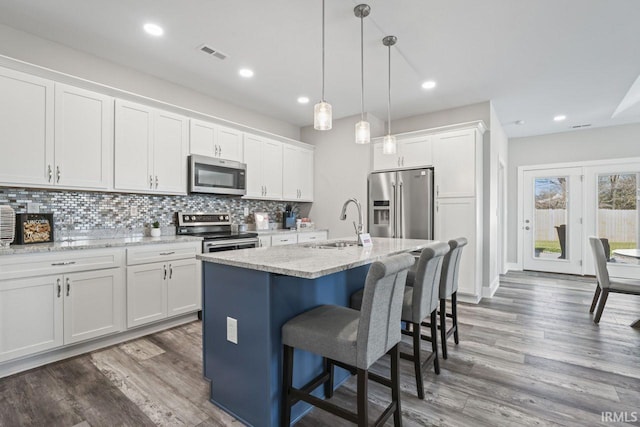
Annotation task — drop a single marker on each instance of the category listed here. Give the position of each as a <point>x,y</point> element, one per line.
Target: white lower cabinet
<point>157,290</point>
<point>456,217</point>
<point>312,236</point>
<point>43,313</point>
<point>30,316</point>
<point>264,241</point>
<point>284,239</point>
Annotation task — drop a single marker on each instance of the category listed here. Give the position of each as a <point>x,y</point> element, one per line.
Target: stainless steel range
<point>215,229</point>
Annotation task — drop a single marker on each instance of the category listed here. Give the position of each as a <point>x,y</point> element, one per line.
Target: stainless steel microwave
<point>217,176</point>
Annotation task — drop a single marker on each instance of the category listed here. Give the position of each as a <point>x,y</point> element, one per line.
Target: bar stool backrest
<point>451,267</point>
<point>427,279</point>
<point>379,324</point>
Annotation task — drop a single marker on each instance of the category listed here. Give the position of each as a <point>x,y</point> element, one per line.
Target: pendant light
<point>389,141</point>
<point>322,110</point>
<point>363,129</point>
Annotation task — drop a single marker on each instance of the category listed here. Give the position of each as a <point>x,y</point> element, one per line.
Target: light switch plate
<point>133,211</point>
<point>33,207</point>
<point>232,330</point>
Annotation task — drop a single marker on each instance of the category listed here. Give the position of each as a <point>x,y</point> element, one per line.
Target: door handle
<point>220,150</point>
<point>167,253</point>
<point>400,210</point>
<point>57,173</point>
<point>49,172</point>
<point>170,271</point>
<point>157,182</point>
<point>151,181</point>
<point>215,150</point>
<point>165,272</point>
<point>395,209</point>
<point>68,287</point>
<point>59,288</point>
<point>527,227</point>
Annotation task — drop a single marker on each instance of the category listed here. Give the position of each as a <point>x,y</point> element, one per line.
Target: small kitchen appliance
<point>7,225</point>
<point>216,231</point>
<point>217,176</point>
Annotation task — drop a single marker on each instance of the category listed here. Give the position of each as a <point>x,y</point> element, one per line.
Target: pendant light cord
<point>322,50</point>
<point>362,67</point>
<point>389,99</point>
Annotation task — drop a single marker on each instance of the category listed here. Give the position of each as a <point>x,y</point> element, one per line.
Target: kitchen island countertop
<point>308,260</point>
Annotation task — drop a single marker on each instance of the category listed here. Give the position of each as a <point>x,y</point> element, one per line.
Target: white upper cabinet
<point>83,138</point>
<point>264,167</point>
<point>208,139</point>
<point>454,159</point>
<point>411,152</point>
<point>297,179</point>
<point>150,149</point>
<point>26,127</point>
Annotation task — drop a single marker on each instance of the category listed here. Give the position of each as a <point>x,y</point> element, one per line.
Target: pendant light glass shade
<point>322,110</point>
<point>389,145</point>
<point>363,132</point>
<point>322,116</point>
<point>363,129</point>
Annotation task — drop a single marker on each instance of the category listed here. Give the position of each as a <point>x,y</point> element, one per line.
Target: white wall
<point>614,142</point>
<point>495,241</point>
<point>45,53</point>
<point>341,170</point>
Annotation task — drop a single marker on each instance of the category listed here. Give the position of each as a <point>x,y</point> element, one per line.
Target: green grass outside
<point>554,245</point>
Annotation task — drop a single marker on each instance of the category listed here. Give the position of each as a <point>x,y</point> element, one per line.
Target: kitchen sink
<point>340,244</point>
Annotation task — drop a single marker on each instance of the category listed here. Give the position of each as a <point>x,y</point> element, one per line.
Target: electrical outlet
<point>232,330</point>
<point>133,211</point>
<point>246,211</point>
<point>33,207</point>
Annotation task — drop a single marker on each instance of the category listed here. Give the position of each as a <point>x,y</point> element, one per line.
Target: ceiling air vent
<point>213,52</point>
<point>586,125</point>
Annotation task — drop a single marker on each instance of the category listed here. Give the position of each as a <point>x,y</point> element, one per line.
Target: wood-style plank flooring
<point>529,356</point>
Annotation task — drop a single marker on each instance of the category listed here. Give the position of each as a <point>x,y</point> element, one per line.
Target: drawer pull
<point>64,263</point>
<point>167,253</point>
<point>59,288</point>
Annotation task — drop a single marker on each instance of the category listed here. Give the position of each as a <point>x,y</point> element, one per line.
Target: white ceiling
<point>533,59</point>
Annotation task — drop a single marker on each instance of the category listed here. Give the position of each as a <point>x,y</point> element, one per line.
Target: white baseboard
<point>468,298</point>
<point>489,291</point>
<point>513,266</point>
<point>29,362</point>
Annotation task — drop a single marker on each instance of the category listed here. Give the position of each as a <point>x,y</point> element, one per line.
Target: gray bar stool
<point>353,340</point>
<point>449,288</point>
<point>420,301</point>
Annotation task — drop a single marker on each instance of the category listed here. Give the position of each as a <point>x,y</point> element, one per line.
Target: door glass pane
<point>617,219</point>
<point>550,221</point>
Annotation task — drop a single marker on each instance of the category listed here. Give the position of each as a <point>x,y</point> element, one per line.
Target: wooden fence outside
<point>616,225</point>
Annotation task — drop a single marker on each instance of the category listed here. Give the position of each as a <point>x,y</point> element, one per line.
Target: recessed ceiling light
<point>519,122</point>
<point>429,84</point>
<point>303,100</point>
<point>559,118</point>
<point>245,72</point>
<point>153,29</point>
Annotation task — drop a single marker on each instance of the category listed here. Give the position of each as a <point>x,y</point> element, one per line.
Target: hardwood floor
<point>529,356</point>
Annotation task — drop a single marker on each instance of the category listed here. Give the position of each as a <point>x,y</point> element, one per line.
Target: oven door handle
<point>234,242</point>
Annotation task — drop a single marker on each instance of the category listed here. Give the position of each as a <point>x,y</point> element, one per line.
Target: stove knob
<point>227,217</point>
<point>221,217</point>
<point>193,217</point>
<point>185,217</point>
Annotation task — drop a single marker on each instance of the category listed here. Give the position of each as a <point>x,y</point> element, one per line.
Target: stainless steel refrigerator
<point>401,204</point>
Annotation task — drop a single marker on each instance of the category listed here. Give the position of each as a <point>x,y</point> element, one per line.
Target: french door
<point>552,220</point>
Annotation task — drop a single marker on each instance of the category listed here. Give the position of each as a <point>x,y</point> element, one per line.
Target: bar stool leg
<point>454,316</point>
<point>395,381</point>
<point>328,385</point>
<point>363,410</point>
<point>287,382</point>
<point>434,342</point>
<point>443,326</point>
<point>417,364</point>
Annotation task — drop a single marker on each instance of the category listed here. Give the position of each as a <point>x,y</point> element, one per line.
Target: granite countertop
<point>308,261</point>
<point>285,230</point>
<point>94,244</point>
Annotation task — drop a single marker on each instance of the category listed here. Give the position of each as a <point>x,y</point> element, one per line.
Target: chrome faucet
<point>359,227</point>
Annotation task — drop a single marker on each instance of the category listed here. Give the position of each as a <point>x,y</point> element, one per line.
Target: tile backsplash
<point>79,213</point>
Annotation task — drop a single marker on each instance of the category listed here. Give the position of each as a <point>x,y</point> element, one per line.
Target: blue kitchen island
<point>249,294</point>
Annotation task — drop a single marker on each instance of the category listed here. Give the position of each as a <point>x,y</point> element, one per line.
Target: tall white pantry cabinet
<point>455,153</point>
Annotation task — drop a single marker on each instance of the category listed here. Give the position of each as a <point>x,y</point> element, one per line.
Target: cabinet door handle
<point>150,181</point>
<point>220,150</point>
<point>165,272</point>
<point>437,207</point>
<point>438,190</point>
<point>57,173</point>
<point>167,253</point>
<point>170,271</point>
<point>63,263</point>
<point>68,287</point>
<point>49,172</point>
<point>156,182</point>
<point>59,288</point>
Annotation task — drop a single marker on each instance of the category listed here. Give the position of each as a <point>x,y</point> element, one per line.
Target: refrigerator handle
<point>395,209</point>
<point>401,233</point>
